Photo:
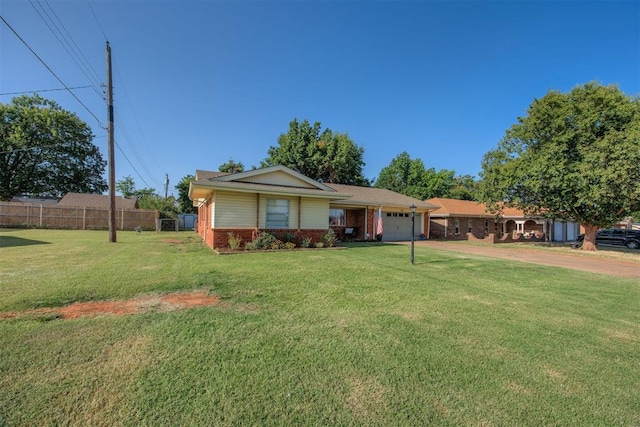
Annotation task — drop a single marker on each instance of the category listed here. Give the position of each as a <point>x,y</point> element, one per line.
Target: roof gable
<point>275,180</point>
<point>201,174</point>
<point>275,175</point>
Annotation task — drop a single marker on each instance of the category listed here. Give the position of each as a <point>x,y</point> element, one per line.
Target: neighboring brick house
<point>464,219</point>
<point>282,200</point>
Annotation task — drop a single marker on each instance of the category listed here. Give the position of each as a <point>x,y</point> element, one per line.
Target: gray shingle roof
<point>379,196</point>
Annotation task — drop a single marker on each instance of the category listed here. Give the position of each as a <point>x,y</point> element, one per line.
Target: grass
<point>346,337</point>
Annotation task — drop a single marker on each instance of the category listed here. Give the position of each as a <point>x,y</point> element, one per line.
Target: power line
<point>51,71</point>
<point>149,150</point>
<point>131,164</point>
<point>97,21</point>
<point>43,90</point>
<point>56,28</point>
<point>121,123</point>
<point>68,89</point>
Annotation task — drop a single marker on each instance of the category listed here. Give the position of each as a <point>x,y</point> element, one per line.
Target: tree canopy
<point>185,205</point>
<point>323,155</point>
<point>231,167</point>
<point>167,207</point>
<point>575,156</point>
<point>46,151</point>
<point>410,177</point>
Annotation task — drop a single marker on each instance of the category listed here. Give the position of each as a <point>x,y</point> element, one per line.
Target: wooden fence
<point>75,218</point>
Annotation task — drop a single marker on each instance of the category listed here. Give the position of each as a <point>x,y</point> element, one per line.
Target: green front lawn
<point>315,337</point>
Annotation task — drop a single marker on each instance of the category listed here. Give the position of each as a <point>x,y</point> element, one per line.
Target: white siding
<point>234,210</point>
<point>278,178</point>
<point>314,214</point>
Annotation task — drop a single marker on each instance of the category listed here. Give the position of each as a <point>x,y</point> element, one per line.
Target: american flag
<point>379,227</point>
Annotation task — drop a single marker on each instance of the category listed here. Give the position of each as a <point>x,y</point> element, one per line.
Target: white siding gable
<point>277,178</point>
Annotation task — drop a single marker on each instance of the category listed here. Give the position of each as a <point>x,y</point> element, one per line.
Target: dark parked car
<point>614,237</point>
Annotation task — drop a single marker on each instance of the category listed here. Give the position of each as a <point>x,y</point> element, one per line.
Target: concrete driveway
<point>590,262</point>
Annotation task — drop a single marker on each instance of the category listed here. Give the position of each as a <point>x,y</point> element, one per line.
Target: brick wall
<point>220,237</point>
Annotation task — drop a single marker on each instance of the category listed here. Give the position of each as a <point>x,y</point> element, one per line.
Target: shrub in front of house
<point>288,237</point>
<point>235,241</point>
<point>329,239</point>
<point>306,242</point>
<point>263,240</point>
<point>278,244</point>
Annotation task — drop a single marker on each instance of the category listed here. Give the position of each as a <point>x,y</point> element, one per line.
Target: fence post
<point>40,215</point>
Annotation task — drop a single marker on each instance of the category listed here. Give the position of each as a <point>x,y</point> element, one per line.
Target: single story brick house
<point>464,219</point>
<point>282,200</point>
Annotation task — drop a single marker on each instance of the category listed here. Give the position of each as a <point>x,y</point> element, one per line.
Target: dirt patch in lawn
<point>169,302</point>
<point>174,241</point>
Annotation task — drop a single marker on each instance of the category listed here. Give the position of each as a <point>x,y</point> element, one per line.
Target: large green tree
<point>410,177</point>
<point>184,203</point>
<point>575,156</point>
<point>323,155</point>
<point>167,207</point>
<point>126,186</point>
<point>46,151</point>
<point>231,167</point>
<point>464,188</point>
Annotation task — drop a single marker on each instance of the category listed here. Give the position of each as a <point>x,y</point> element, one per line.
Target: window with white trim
<point>336,217</point>
<point>277,213</point>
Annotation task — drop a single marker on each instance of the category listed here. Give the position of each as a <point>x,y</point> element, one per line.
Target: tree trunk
<point>589,242</point>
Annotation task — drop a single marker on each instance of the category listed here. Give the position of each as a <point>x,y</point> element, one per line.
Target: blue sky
<point>197,83</point>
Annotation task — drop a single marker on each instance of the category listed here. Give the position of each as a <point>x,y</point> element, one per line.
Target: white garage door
<point>397,226</point>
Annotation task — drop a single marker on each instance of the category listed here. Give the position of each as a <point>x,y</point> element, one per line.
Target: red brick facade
<point>219,237</point>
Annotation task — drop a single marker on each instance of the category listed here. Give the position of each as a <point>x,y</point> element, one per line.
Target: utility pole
<point>112,166</point>
<point>166,184</point>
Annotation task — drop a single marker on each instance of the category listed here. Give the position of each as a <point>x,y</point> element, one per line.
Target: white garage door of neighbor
<point>397,226</point>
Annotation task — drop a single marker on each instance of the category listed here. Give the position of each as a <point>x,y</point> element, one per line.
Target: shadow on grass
<point>11,241</point>
<point>443,261</point>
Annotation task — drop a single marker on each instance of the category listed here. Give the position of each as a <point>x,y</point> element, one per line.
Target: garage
<point>397,226</point>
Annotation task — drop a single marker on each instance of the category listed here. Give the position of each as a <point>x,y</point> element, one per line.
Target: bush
<point>288,237</point>
<point>276,245</point>
<point>264,240</point>
<point>319,245</point>
<point>251,246</point>
<point>306,242</point>
<point>329,238</point>
<point>234,241</point>
<point>289,245</point>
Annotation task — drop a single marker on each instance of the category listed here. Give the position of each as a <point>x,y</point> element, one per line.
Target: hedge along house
<point>282,200</point>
